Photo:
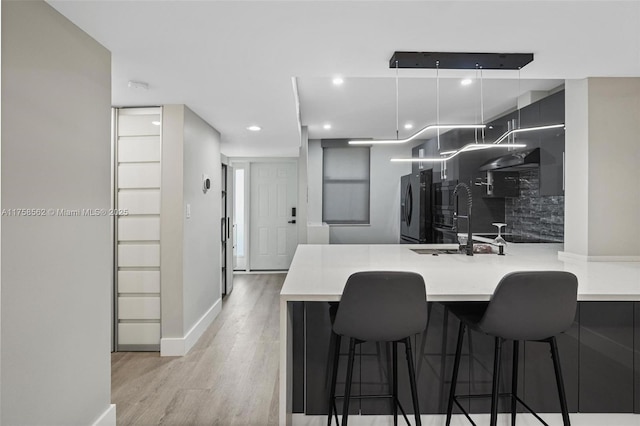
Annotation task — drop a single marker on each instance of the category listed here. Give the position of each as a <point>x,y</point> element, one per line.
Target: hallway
<point>229,378</point>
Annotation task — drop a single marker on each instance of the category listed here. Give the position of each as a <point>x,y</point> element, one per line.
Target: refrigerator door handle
<point>409,204</point>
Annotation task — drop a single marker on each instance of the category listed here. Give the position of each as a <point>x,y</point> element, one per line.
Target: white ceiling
<point>232,62</point>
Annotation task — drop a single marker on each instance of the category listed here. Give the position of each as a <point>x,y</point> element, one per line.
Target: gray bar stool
<point>528,306</point>
<point>379,306</point>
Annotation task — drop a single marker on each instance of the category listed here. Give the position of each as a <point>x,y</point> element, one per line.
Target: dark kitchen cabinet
<point>552,145</point>
<point>529,116</point>
<point>505,184</point>
<point>636,352</point>
<point>599,354</point>
<point>297,311</point>
<point>435,350</point>
<point>317,362</point>
<point>606,357</point>
<point>540,390</point>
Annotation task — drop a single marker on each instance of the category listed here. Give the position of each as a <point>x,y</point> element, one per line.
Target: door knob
<point>292,221</point>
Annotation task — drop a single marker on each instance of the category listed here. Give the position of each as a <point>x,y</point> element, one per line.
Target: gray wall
<point>202,246</point>
<point>56,271</point>
<point>190,248</point>
<point>384,227</point>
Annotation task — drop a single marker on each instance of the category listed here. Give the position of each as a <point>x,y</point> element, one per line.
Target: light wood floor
<point>229,378</point>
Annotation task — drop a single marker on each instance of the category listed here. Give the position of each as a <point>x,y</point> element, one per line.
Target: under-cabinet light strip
<point>416,134</point>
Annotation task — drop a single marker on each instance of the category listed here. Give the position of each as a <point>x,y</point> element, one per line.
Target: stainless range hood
<point>514,161</point>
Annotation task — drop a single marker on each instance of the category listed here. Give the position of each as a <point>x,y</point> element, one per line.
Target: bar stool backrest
<point>382,306</point>
<point>531,305</point>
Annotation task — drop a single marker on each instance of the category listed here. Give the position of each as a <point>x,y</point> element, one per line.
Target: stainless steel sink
<point>477,249</point>
<point>435,251</point>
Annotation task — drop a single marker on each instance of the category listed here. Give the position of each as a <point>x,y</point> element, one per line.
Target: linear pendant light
<point>415,135</point>
<point>527,129</point>
<point>476,146</point>
<point>450,154</point>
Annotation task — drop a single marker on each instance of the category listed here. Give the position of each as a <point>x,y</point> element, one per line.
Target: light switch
<point>188,211</point>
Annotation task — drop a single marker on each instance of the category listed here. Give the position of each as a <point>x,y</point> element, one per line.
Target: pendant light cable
<point>438,101</point>
<point>517,106</point>
<point>475,133</point>
<point>481,103</point>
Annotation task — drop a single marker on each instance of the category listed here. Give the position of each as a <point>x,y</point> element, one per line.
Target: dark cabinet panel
<point>481,348</point>
<point>435,350</point>
<point>318,356</point>
<point>552,109</point>
<point>298,339</point>
<point>606,357</point>
<point>506,184</point>
<point>529,116</point>
<point>376,375</point>
<point>552,145</point>
<point>636,351</point>
<point>540,385</point>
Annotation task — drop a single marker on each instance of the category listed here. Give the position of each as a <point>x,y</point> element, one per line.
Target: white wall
<point>190,247</point>
<point>172,208</point>
<point>576,205</point>
<point>603,201</point>
<point>56,270</point>
<point>384,227</point>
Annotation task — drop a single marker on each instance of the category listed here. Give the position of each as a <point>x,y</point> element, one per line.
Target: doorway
<point>239,216</point>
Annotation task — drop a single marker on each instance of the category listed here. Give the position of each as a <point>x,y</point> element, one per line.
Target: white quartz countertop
<point>319,272</point>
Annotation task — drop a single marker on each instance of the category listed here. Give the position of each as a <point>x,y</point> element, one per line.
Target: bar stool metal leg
<point>347,385</point>
<point>496,381</point>
<point>412,381</point>
<point>394,357</point>
<point>559,382</point>
<point>514,382</point>
<point>334,377</point>
<point>454,378</point>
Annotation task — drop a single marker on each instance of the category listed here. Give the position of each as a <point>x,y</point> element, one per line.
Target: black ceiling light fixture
<point>460,60</point>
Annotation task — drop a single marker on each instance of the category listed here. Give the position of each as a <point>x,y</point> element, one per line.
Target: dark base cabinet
<point>606,357</point>
<point>636,351</point>
<point>600,358</point>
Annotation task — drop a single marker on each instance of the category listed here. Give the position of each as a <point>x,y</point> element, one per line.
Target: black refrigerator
<point>415,208</point>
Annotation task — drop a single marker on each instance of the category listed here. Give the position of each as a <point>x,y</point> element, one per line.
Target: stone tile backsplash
<point>531,217</point>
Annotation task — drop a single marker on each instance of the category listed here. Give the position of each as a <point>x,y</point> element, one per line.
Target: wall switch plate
<point>188,211</point>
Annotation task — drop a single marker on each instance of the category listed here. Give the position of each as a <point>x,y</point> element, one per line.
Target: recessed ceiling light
<point>408,126</point>
<point>155,123</point>
<point>254,128</point>
<point>326,126</point>
<point>466,82</point>
<point>337,81</point>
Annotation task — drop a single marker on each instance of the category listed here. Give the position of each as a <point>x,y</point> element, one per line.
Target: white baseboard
<point>108,418</point>
<point>180,346</point>
<point>524,419</point>
<point>563,255</point>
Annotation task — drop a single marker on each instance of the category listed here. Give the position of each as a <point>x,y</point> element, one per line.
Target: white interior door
<point>273,231</point>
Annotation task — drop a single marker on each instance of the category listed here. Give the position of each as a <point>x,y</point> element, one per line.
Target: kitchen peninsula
<point>605,337</point>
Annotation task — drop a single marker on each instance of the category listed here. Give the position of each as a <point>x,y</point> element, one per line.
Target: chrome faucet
<point>469,245</point>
